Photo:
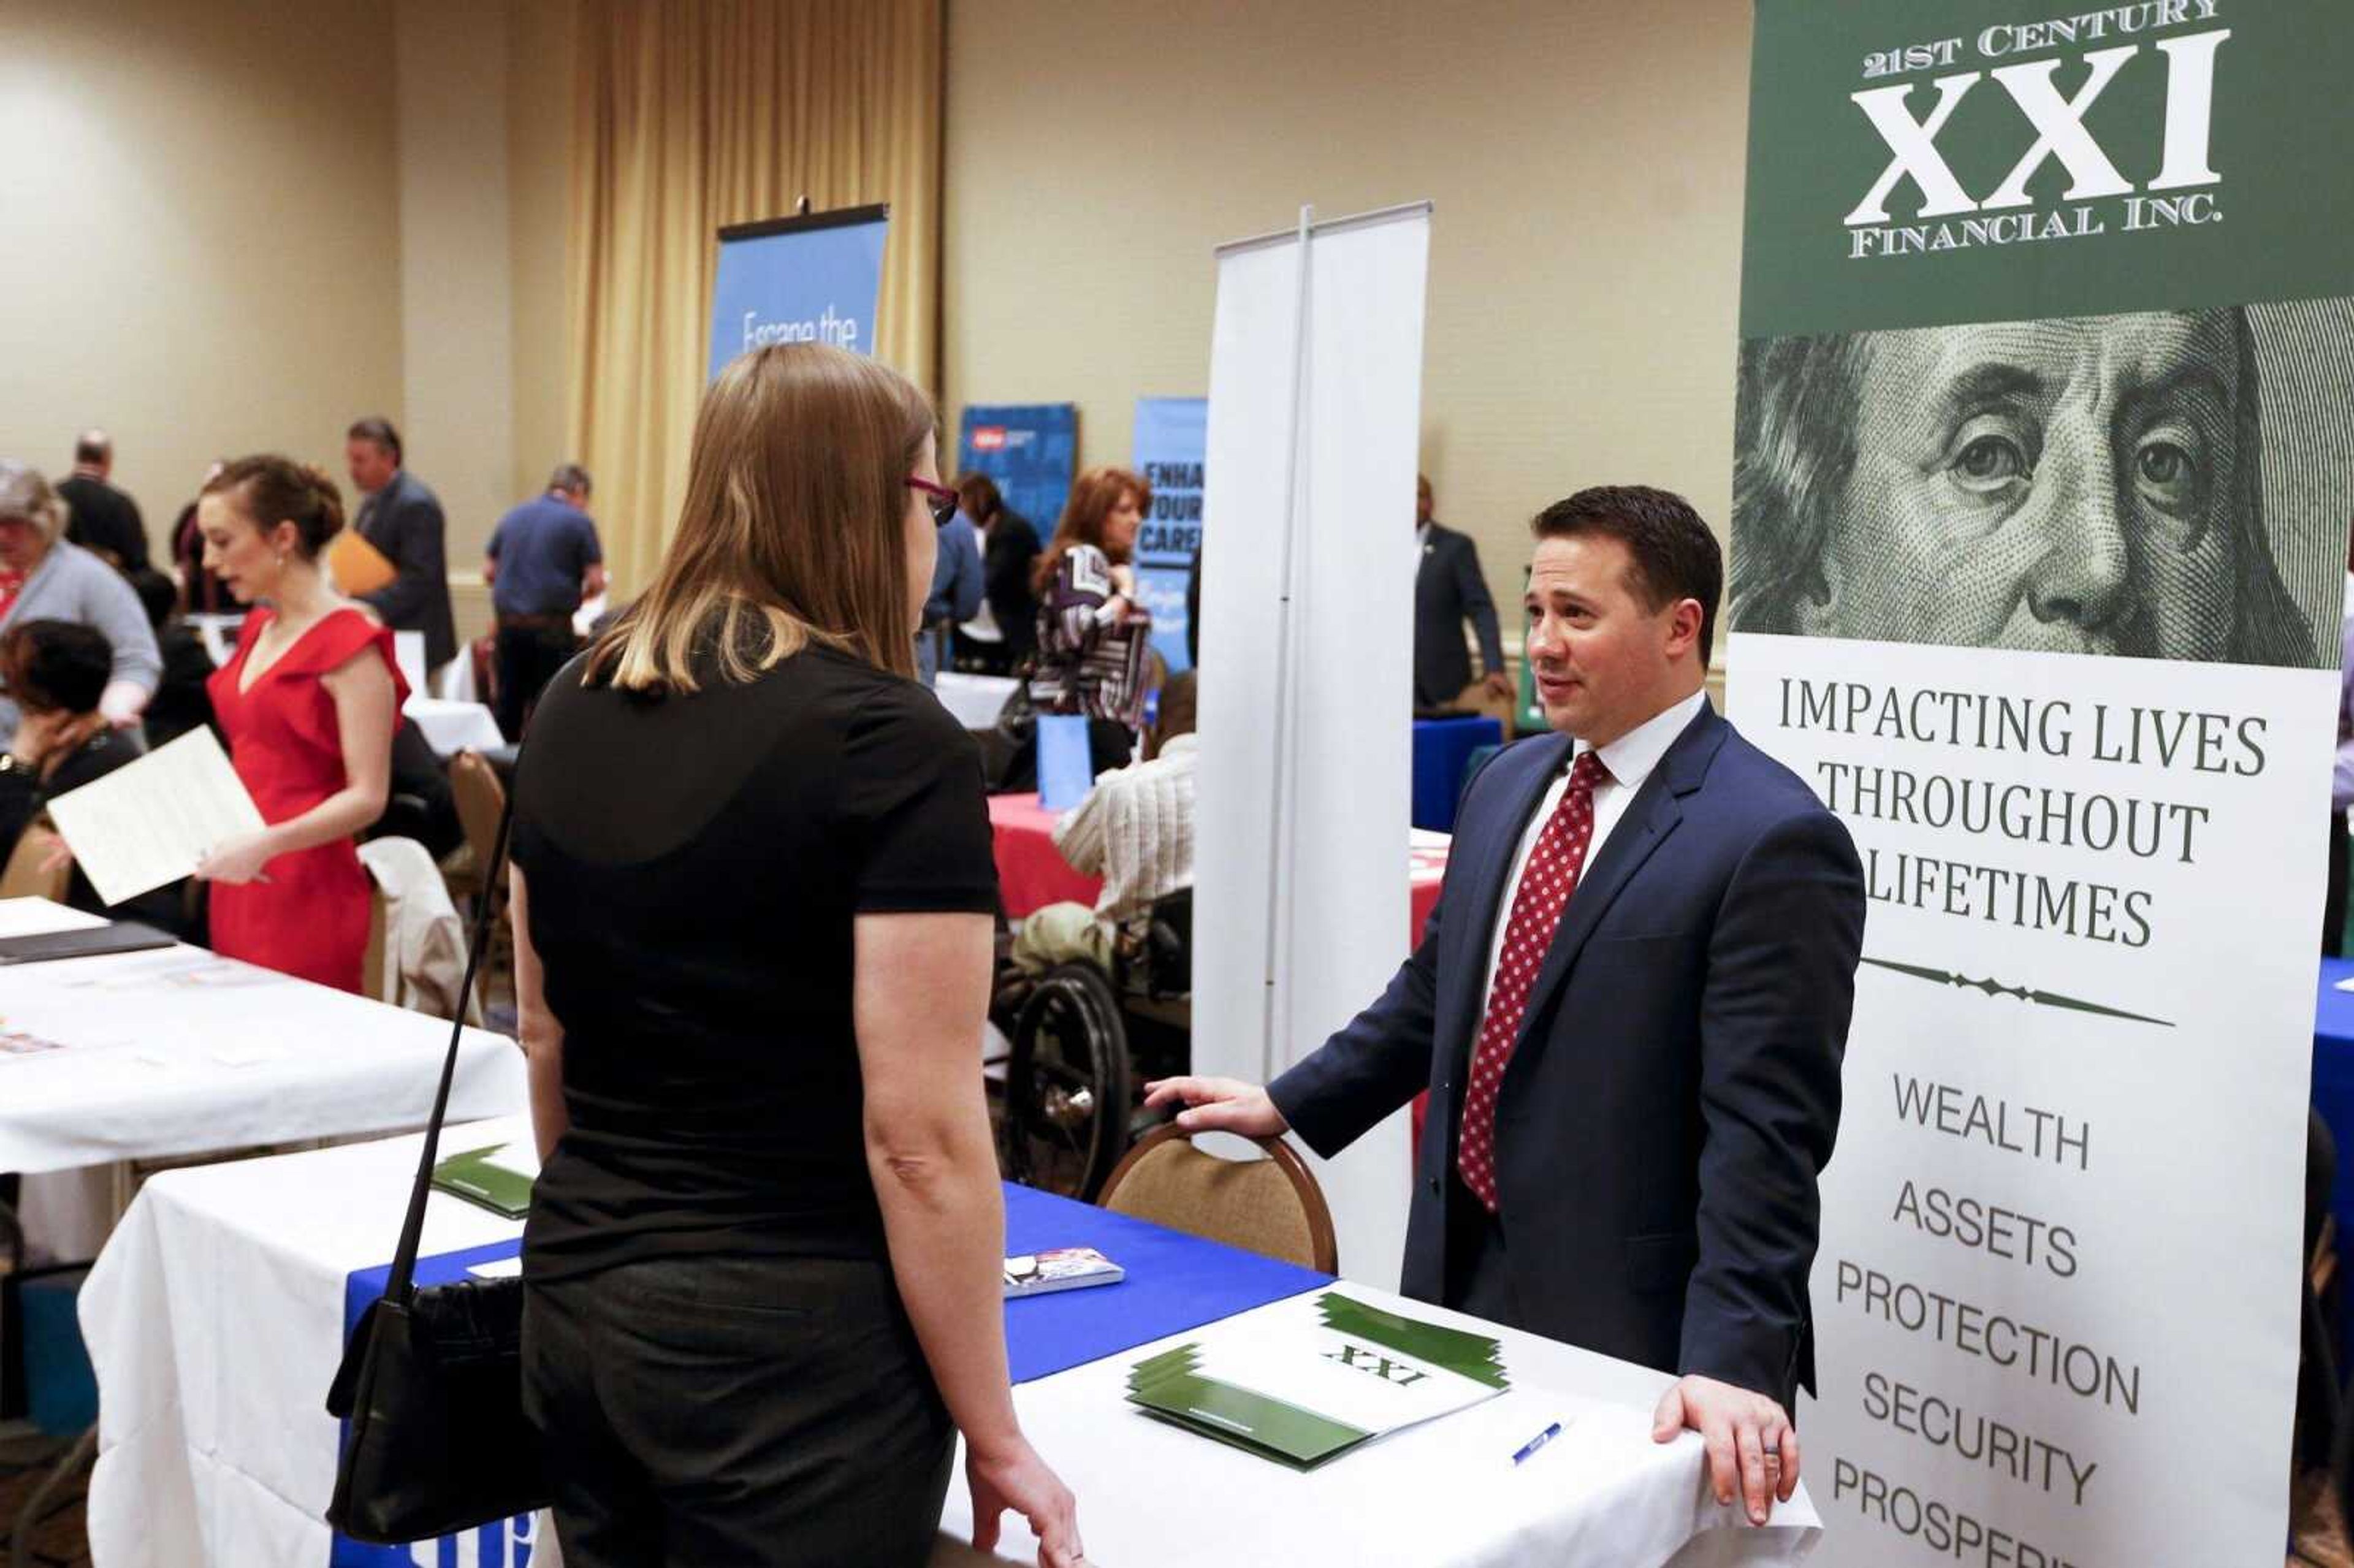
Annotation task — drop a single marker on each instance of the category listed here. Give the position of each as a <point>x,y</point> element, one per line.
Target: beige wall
<point>456,279</point>
<point>1585,158</point>
<point>199,233</point>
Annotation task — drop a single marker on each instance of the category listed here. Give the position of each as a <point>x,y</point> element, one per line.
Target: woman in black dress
<point>753,890</point>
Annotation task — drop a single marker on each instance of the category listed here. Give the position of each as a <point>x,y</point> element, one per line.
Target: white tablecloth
<point>179,1052</point>
<point>975,700</point>
<point>215,1318</point>
<point>1601,1495</point>
<point>451,727</point>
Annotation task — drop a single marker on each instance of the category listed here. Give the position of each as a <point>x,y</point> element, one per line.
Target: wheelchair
<point>1085,1042</point>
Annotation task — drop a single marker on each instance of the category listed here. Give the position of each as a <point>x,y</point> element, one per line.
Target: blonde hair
<point>793,529</point>
<point>24,493</point>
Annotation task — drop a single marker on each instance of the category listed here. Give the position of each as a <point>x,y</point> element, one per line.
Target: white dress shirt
<point>1629,760</point>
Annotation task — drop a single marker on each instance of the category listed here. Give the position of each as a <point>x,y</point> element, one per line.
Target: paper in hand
<point>149,822</point>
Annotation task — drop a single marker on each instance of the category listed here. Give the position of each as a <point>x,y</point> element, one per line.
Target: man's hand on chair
<point>1219,1105</point>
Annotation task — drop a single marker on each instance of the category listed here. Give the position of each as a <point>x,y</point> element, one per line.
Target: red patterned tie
<point>1546,882</point>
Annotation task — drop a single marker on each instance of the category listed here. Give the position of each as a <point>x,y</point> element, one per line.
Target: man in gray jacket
<point>403,519</point>
<point>44,578</point>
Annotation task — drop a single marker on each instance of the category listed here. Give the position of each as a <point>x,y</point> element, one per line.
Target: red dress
<point>310,918</point>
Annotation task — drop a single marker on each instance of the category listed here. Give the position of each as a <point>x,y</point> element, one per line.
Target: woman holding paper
<point>753,900</point>
<point>309,703</point>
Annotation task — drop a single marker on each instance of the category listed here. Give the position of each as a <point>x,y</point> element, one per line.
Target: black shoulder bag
<point>431,1383</point>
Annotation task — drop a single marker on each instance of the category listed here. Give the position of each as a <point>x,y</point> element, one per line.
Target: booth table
<point>1033,874</point>
<point>177,1051</point>
<point>1442,750</point>
<point>2333,1083</point>
<point>216,1318</point>
<point>974,701</point>
<point>450,726</point>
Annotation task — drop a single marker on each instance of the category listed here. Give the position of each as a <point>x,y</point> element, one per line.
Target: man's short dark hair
<point>56,666</point>
<point>1675,556</point>
<point>93,446</point>
<point>569,476</point>
<point>377,429</point>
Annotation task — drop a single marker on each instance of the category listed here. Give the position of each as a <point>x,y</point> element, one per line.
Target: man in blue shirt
<point>543,559</point>
<point>957,582</point>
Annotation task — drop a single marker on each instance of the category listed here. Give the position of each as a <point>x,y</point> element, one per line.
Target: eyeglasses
<point>938,497</point>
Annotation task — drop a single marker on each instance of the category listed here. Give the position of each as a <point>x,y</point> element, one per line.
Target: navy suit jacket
<point>1448,589</point>
<point>405,522</point>
<point>1675,1089</point>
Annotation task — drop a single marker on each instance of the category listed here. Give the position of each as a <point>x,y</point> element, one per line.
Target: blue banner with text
<point>1171,434</point>
<point>798,280</point>
<point>1029,449</point>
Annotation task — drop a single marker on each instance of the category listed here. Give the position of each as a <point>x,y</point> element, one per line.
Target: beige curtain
<point>693,114</point>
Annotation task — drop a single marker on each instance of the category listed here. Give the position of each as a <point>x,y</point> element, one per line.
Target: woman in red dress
<point>309,703</point>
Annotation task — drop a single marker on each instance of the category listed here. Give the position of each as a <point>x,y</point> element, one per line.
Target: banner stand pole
<point>1283,808</point>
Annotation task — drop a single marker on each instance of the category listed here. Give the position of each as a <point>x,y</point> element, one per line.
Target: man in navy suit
<point>1628,1008</point>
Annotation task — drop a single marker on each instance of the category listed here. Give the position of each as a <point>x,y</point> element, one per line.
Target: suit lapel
<point>1489,863</point>
<point>1652,816</point>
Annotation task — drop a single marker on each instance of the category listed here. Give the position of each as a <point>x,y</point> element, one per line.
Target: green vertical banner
<point>2044,454</point>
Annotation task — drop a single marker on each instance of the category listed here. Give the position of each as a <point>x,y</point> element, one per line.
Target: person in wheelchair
<point>1135,831</point>
<point>1092,998</point>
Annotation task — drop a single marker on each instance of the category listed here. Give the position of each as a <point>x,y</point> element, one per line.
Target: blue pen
<point>1537,1442</point>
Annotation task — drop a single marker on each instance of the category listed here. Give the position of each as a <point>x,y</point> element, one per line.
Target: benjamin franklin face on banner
<point>2081,485</point>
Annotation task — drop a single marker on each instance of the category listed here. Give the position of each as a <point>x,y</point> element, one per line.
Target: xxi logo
<point>1378,1364</point>
<point>2058,122</point>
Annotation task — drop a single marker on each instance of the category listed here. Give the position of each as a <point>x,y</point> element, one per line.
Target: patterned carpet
<point>58,1540</point>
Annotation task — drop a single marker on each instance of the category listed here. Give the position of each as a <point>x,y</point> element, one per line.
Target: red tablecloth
<point>1033,874</point>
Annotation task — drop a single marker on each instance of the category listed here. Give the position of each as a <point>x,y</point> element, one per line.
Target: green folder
<point>1181,1386</point>
<point>472,1177</point>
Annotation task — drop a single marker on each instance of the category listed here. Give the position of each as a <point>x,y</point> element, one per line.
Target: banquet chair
<point>1476,699</point>
<point>481,798</point>
<point>1270,1206</point>
<point>24,877</point>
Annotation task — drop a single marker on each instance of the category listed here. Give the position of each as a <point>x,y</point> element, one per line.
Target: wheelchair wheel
<point>1066,1085</point>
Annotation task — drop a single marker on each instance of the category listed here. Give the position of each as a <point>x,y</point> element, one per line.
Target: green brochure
<point>1306,1380</point>
<point>498,1178</point>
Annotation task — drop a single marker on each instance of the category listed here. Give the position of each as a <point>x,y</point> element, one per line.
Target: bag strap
<point>399,1286</point>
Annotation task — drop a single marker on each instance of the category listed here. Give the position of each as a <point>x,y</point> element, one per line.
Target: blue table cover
<point>1442,748</point>
<point>1174,1282</point>
<point>2333,1082</point>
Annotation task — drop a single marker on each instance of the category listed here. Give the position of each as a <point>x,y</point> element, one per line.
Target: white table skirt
<point>180,1051</point>
<point>214,1321</point>
<point>453,727</point>
<point>1602,1495</point>
<point>975,700</point>
<point>215,1318</point>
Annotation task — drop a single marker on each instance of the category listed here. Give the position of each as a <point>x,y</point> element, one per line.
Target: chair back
<point>372,980</point>
<point>1477,699</point>
<point>23,876</point>
<point>480,797</point>
<point>1271,1207</point>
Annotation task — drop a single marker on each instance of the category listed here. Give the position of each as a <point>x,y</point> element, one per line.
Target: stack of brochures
<point>1307,1380</point>
<point>1059,1268</point>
